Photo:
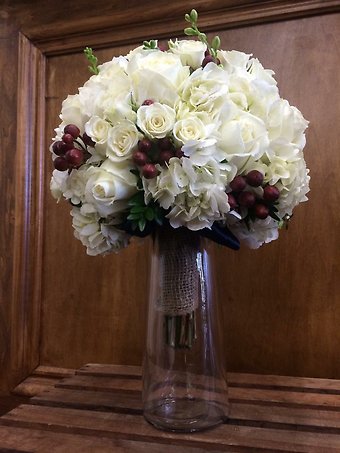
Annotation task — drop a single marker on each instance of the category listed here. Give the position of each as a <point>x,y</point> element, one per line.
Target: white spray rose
<point>121,141</point>
<point>98,129</point>
<point>156,120</point>
<point>191,52</point>
<point>191,128</point>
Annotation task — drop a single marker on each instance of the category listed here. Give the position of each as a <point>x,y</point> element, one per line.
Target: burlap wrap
<point>179,274</point>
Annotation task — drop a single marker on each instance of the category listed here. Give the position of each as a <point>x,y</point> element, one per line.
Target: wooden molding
<point>25,305</point>
<point>108,30</point>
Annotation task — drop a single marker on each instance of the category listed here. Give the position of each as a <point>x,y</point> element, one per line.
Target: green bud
<point>194,15</point>
<point>187,18</point>
<point>190,32</point>
<point>216,42</point>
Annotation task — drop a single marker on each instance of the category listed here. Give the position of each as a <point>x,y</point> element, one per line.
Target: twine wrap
<point>179,274</point>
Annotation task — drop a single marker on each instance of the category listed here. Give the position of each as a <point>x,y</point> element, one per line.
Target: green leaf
<point>190,32</point>
<point>133,217</point>
<point>149,214</point>
<point>137,209</point>
<point>187,18</point>
<point>141,224</point>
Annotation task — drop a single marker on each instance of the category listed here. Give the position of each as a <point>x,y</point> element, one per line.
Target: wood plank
<point>236,394</point>
<point>134,427</point>
<point>248,414</point>
<point>93,400</point>
<point>248,380</point>
<point>40,441</point>
<point>94,369</point>
<point>96,383</point>
<point>299,384</point>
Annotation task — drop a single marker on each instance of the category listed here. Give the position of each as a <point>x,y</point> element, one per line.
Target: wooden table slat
<point>99,409</point>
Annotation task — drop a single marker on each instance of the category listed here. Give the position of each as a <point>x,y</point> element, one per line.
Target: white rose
<point>191,52</point>
<point>72,112</point>
<point>243,137</point>
<point>98,130</point>
<point>110,186</point>
<point>110,69</point>
<point>233,61</point>
<point>156,120</point>
<point>286,123</point>
<point>191,128</point>
<point>156,75</point>
<point>122,139</point>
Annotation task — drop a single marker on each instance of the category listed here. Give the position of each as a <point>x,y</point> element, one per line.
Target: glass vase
<point>184,385</point>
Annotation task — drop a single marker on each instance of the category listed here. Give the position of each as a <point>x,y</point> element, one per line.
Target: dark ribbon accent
<point>219,234</point>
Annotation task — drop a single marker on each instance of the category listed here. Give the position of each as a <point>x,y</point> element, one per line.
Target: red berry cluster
<point>239,197</point>
<point>68,155</point>
<point>149,153</point>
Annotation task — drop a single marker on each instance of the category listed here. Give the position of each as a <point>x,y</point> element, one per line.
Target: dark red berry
<point>165,143</point>
<point>72,129</point>
<point>179,153</point>
<point>149,171</point>
<point>139,158</point>
<point>208,59</point>
<point>60,163</point>
<point>238,184</point>
<point>271,193</point>
<point>261,211</point>
<point>246,199</point>
<point>144,145</point>
<point>58,148</point>
<point>74,157</point>
<point>254,178</point>
<point>232,201</point>
<point>68,138</point>
<point>88,140</point>
<point>148,102</point>
<point>164,156</point>
<point>162,47</point>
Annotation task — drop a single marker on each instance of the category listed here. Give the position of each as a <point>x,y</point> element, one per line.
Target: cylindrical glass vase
<point>184,385</point>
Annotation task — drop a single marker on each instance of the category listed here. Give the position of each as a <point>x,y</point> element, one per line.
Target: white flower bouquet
<point>189,136</point>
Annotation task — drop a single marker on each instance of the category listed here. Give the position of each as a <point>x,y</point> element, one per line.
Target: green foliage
<point>153,44</point>
<point>93,60</point>
<point>140,213</point>
<point>192,18</point>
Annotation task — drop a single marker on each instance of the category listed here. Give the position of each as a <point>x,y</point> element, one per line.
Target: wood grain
<point>109,23</point>
<point>284,319</point>
<point>59,307</point>
<point>97,420</point>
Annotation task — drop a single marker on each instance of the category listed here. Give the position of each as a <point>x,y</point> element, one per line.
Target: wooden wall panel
<point>59,307</point>
<point>281,303</point>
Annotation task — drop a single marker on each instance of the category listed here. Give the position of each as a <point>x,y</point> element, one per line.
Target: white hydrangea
<point>98,238</point>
